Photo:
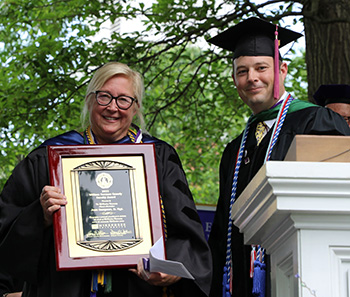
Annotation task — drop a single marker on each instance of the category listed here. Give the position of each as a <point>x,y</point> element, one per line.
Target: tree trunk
<point>327,35</point>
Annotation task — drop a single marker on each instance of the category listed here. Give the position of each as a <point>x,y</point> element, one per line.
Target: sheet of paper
<point>158,263</point>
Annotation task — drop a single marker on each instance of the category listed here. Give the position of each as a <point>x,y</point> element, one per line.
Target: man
<point>259,79</point>
<point>335,97</point>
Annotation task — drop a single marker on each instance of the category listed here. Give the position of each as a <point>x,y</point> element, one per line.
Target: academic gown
<point>312,120</point>
<point>27,248</point>
<point>9,284</point>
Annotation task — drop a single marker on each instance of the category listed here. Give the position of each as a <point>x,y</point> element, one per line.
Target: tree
<point>49,52</point>
<point>327,42</point>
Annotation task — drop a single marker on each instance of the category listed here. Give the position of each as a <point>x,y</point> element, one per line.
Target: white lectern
<point>300,213</point>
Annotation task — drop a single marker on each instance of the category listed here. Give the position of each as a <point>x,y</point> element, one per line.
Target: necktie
<point>259,132</point>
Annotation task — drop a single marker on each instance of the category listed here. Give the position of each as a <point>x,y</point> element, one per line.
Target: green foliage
<point>49,50</point>
<point>296,81</point>
<point>198,119</point>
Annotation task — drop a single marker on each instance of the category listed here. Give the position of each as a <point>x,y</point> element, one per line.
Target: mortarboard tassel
<point>276,86</point>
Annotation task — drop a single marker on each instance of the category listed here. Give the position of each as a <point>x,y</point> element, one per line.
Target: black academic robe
<point>9,284</point>
<point>27,248</point>
<point>312,120</point>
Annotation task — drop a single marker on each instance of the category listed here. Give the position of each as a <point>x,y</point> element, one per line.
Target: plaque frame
<point>140,163</point>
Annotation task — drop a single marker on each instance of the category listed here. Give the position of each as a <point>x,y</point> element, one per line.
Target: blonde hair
<point>100,77</point>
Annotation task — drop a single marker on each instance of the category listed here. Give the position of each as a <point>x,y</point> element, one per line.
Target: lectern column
<point>300,213</point>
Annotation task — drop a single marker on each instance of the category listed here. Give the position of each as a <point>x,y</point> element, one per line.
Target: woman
<point>114,97</point>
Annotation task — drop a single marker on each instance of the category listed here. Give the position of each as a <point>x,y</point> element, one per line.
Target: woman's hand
<point>51,200</point>
<point>154,278</point>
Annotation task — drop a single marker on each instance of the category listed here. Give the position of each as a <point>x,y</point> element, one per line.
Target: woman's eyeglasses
<point>123,101</point>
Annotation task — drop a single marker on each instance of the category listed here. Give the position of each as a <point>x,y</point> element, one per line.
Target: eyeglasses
<point>123,101</point>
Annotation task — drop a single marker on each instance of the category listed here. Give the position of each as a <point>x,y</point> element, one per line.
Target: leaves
<point>49,50</point>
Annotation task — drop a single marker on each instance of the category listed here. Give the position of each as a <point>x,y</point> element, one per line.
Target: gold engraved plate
<point>104,206</point>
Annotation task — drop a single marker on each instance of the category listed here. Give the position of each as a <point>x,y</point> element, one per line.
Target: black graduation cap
<point>327,94</point>
<point>253,37</point>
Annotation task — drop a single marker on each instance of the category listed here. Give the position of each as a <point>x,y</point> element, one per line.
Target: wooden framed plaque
<point>113,215</point>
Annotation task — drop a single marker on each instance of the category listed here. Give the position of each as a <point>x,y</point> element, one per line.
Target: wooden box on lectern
<point>317,148</point>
